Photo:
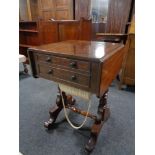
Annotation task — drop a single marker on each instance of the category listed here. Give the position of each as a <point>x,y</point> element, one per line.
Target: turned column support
<point>55,110</point>
<point>103,114</point>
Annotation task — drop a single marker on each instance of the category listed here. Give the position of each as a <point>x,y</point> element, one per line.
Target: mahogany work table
<point>87,65</point>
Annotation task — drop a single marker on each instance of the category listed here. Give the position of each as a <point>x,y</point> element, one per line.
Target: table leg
<point>103,114</point>
<point>55,110</point>
<point>25,68</point>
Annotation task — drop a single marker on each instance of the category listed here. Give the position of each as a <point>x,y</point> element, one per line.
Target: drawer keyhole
<point>48,59</point>
<point>72,64</point>
<point>50,71</point>
<point>73,78</point>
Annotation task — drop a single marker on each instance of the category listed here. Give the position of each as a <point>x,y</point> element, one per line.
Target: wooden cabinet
<point>127,76</point>
<point>56,9</point>
<point>29,35</point>
<point>32,33</point>
<point>82,9</point>
<point>28,10</point>
<point>46,9</point>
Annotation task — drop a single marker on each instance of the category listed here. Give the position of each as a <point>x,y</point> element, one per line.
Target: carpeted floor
<point>36,97</point>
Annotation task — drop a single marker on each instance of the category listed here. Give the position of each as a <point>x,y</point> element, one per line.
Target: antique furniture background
<point>82,9</point>
<point>118,20</point>
<point>32,33</point>
<point>127,75</point>
<point>86,65</point>
<point>46,9</point>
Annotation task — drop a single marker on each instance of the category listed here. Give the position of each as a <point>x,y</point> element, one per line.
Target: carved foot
<point>56,109</point>
<point>106,114</point>
<point>49,123</point>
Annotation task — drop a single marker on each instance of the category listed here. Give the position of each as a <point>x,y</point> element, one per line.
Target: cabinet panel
<point>118,14</point>
<point>48,15</point>
<point>82,9</point>
<point>61,3</point>
<point>69,31</point>
<point>56,9</point>
<point>46,4</point>
<point>62,15</point>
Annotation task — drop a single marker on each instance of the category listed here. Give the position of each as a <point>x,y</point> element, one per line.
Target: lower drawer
<point>51,73</point>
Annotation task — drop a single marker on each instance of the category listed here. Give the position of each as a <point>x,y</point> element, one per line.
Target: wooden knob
<point>72,64</point>
<point>48,59</point>
<point>50,71</point>
<point>73,77</point>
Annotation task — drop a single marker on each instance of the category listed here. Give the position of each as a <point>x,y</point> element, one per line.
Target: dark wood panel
<point>127,75</point>
<point>69,31</point>
<point>49,32</point>
<point>82,9</point>
<point>105,59</point>
<point>110,68</point>
<point>118,14</point>
<point>97,28</point>
<point>47,71</point>
<point>85,29</point>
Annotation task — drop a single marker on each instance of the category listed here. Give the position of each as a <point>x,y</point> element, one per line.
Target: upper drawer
<point>43,57</point>
<point>64,62</point>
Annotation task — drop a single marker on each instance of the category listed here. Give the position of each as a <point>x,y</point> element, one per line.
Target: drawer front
<point>71,76</point>
<point>71,63</point>
<point>44,58</point>
<point>44,71</point>
<point>51,73</point>
<point>67,63</point>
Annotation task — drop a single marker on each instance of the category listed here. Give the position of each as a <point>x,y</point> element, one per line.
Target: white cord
<point>72,125</point>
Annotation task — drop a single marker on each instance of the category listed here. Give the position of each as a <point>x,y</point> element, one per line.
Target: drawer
<point>71,76</point>
<point>64,62</point>
<point>44,71</point>
<point>43,58</point>
<point>71,63</point>
<point>61,75</point>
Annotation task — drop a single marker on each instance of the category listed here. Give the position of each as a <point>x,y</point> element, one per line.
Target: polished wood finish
<point>50,32</point>
<point>82,53</point>
<point>61,30</point>
<point>69,31</point>
<point>81,112</point>
<point>103,113</point>
<point>87,65</point>
<point>33,33</point>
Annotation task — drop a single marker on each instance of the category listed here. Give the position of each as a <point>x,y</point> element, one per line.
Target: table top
<point>89,50</point>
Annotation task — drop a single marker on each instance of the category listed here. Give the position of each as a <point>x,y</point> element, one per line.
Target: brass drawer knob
<point>50,71</point>
<point>72,64</point>
<point>48,59</point>
<point>73,78</point>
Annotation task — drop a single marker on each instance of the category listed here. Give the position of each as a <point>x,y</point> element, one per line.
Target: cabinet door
<point>82,9</point>
<point>56,9</point>
<point>63,9</point>
<point>118,14</point>
<point>46,9</point>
